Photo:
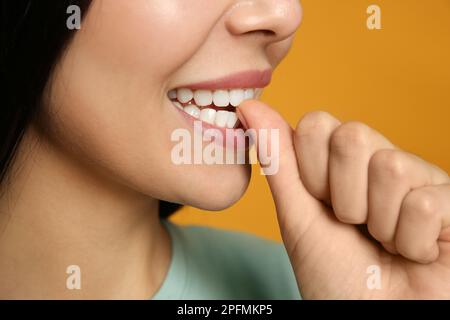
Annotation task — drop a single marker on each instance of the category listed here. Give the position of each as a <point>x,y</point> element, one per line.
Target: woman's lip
<point>244,79</point>
<point>191,120</point>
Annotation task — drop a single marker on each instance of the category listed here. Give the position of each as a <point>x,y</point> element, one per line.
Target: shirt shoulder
<point>219,264</point>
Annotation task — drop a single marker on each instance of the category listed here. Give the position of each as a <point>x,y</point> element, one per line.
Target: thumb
<point>286,186</point>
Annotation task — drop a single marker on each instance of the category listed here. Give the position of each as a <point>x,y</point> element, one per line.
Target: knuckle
<point>388,163</point>
<point>316,185</point>
<point>420,202</point>
<point>353,220</point>
<point>349,217</point>
<point>350,136</point>
<point>378,233</point>
<point>418,253</point>
<point>314,123</point>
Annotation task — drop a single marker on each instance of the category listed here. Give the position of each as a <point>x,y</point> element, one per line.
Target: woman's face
<point>109,100</point>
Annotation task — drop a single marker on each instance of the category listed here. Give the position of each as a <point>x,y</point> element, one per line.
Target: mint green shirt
<point>216,264</point>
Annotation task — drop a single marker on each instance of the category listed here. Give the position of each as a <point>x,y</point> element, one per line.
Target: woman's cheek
<point>153,38</point>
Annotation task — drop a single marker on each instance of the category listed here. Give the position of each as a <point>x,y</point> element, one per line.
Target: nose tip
<point>278,18</point>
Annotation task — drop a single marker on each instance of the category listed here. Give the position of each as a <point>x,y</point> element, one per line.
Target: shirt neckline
<point>175,281</point>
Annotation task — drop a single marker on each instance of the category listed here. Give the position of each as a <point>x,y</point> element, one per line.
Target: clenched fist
<point>348,199</point>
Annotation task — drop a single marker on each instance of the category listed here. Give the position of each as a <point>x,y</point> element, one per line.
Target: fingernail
<point>241,118</point>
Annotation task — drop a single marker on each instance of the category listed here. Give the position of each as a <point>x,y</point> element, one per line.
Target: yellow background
<point>396,80</point>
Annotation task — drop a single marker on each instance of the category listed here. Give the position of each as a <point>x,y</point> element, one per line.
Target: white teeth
<point>249,94</point>
<point>232,120</point>
<point>184,95</point>
<point>203,98</point>
<point>236,97</point>
<point>172,94</point>
<point>192,110</point>
<point>221,98</point>
<point>208,115</point>
<point>222,118</point>
<point>178,105</point>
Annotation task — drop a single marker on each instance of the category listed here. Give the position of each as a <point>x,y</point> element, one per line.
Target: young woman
<point>87,174</point>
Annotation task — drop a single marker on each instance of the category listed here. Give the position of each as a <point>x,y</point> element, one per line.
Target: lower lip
<point>237,132</point>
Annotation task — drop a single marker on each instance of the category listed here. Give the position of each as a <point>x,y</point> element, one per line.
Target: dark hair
<point>33,35</point>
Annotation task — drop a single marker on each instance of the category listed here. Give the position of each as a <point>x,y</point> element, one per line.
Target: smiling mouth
<point>215,107</point>
<point>214,102</point>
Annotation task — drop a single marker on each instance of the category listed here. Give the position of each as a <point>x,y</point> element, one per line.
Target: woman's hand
<point>335,177</point>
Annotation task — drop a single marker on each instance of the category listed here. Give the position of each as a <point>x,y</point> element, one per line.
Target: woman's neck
<point>55,212</point>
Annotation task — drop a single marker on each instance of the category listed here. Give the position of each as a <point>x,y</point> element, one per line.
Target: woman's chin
<point>220,192</point>
<point>216,204</point>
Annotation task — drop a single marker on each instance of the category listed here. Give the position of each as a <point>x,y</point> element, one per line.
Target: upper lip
<point>244,79</point>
